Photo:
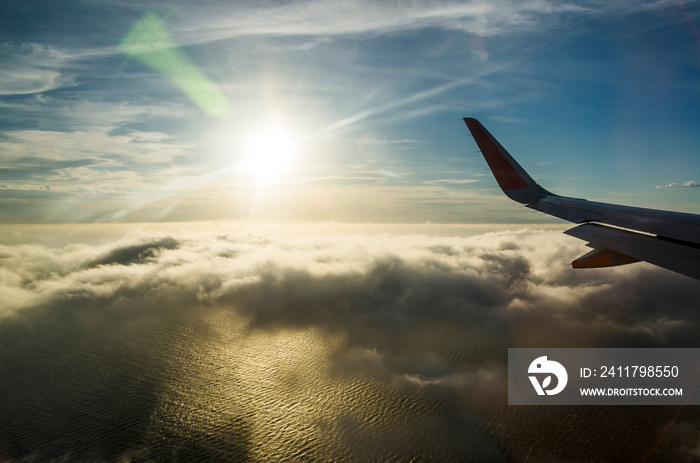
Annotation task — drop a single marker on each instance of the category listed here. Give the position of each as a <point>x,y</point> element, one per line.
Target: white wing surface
<point>619,234</point>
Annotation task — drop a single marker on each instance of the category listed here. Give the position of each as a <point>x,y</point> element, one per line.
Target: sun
<point>269,154</point>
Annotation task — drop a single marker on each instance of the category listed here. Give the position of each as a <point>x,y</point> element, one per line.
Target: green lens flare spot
<point>149,42</point>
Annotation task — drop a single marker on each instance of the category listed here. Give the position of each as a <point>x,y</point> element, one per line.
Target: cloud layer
<point>387,346</point>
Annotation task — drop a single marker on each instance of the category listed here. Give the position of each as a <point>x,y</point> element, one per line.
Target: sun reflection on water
<point>273,395</point>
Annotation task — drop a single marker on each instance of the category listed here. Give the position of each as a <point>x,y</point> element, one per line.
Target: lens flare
<point>149,42</point>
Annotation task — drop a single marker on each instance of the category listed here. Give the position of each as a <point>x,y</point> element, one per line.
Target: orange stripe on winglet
<point>602,257</point>
<point>603,260</point>
<point>506,176</point>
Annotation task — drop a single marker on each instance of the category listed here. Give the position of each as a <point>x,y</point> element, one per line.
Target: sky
<point>261,231</point>
<point>316,111</point>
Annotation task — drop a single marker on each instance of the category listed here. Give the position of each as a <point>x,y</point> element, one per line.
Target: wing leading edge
<point>619,234</point>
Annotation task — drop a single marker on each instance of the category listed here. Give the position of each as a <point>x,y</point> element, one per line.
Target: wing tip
<point>471,122</point>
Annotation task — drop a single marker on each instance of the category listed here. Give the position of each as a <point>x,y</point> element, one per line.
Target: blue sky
<point>123,112</point>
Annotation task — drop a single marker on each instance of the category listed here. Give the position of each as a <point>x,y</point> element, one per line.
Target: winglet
<point>513,180</point>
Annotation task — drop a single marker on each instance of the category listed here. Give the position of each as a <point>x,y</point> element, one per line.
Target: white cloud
<point>689,184</point>
<point>451,181</point>
<point>90,143</point>
<point>49,188</point>
<point>328,18</point>
<point>497,276</point>
<point>31,68</point>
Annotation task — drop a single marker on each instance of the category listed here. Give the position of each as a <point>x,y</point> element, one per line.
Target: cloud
<point>689,184</point>
<point>31,68</point>
<point>451,181</point>
<point>370,18</point>
<point>338,179</point>
<point>371,141</point>
<point>328,18</point>
<point>68,115</point>
<point>383,279</point>
<point>137,253</point>
<point>385,344</point>
<point>91,143</point>
<point>89,164</point>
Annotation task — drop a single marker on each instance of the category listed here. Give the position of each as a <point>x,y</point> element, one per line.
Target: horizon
<point>314,111</point>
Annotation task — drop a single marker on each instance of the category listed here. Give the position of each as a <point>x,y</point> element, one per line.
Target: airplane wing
<point>619,234</point>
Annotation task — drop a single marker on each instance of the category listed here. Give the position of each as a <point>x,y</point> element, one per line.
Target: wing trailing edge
<point>619,234</point>
<point>671,255</point>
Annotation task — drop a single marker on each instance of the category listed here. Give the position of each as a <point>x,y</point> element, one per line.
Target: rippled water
<point>205,387</point>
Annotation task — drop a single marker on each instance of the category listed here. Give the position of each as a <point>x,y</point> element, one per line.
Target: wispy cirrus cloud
<point>452,181</point>
<point>96,143</point>
<point>29,68</point>
<point>328,18</point>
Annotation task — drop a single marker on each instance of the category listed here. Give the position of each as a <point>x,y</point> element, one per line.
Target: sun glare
<point>269,154</point>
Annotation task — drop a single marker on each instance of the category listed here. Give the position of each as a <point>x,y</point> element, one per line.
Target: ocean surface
<point>204,388</point>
